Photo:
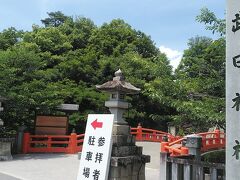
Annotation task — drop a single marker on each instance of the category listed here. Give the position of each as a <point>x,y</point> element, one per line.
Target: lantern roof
<point>118,84</point>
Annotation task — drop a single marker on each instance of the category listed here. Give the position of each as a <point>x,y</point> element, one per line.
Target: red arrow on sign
<point>95,124</point>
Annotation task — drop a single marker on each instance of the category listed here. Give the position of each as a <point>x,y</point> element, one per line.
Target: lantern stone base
<point>128,168</point>
<point>127,160</point>
<point>121,129</point>
<point>5,150</point>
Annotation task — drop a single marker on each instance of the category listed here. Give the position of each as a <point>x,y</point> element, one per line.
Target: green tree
<point>83,29</point>
<point>9,37</point>
<point>118,38</point>
<point>201,74</point>
<point>55,19</point>
<point>214,24</point>
<point>49,39</point>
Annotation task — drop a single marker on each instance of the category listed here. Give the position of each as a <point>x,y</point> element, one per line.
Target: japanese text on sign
<point>96,153</point>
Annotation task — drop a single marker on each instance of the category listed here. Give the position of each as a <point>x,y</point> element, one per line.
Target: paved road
<point>62,166</point>
<point>41,167</point>
<point>152,168</point>
<point>7,177</point>
<point>152,149</point>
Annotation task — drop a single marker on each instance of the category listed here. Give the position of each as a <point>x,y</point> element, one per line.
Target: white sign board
<point>233,90</point>
<point>68,107</point>
<point>97,147</point>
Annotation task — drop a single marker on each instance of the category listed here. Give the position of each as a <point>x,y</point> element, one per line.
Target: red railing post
<point>26,143</point>
<point>139,132</point>
<point>49,143</point>
<point>73,143</point>
<point>154,136</point>
<point>218,138</point>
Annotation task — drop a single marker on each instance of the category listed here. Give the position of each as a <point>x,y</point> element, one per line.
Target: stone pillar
<point>194,144</point>
<point>20,133</point>
<point>5,149</point>
<point>232,90</point>
<point>5,143</point>
<point>172,130</point>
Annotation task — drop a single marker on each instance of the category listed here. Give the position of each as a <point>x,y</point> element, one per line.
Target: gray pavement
<point>152,168</point>
<point>7,177</point>
<point>152,149</point>
<point>41,167</point>
<point>63,166</point>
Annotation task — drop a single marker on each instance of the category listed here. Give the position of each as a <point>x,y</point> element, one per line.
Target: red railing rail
<point>210,141</point>
<point>52,143</point>
<point>73,143</point>
<point>144,134</point>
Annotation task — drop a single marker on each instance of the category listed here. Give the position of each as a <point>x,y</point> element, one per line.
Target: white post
<point>174,171</point>
<point>187,172</point>
<point>213,172</point>
<point>233,90</point>
<point>163,166</point>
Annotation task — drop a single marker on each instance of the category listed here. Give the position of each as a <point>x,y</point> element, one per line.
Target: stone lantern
<point>118,88</point>
<point>127,160</point>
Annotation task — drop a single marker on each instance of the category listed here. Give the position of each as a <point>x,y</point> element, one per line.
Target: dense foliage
<point>64,60</point>
<point>202,73</point>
